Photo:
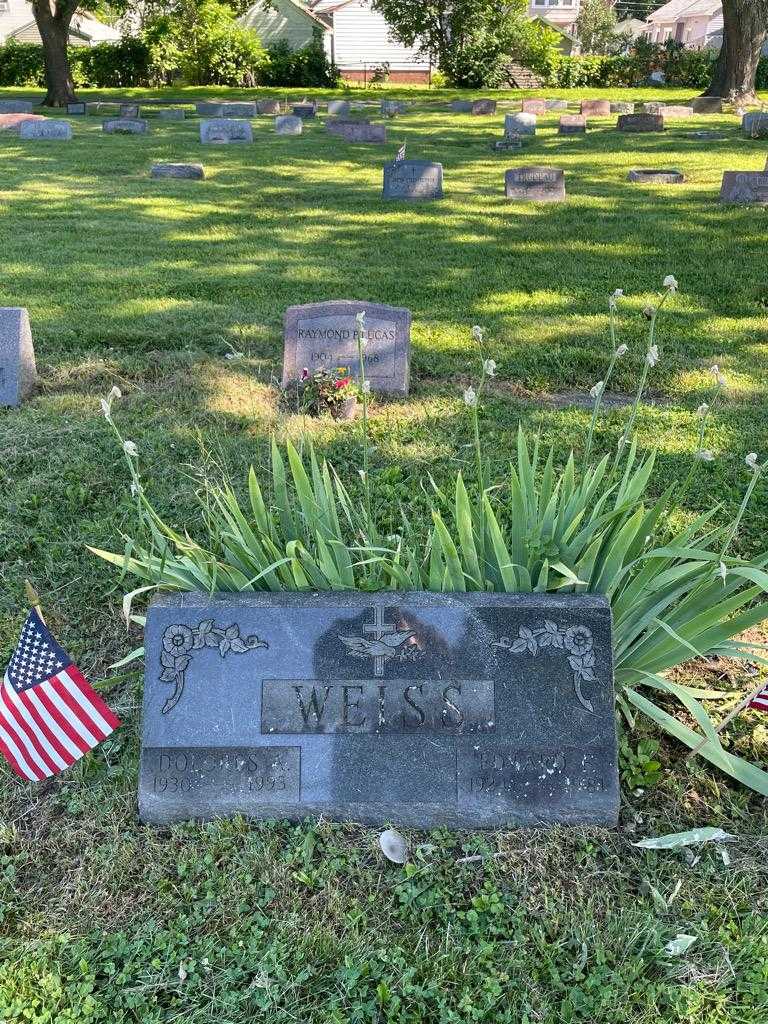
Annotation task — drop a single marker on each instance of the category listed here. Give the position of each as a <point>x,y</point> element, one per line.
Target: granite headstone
<point>18,373</point>
<point>76,109</point>
<point>572,124</point>
<point>209,108</point>
<point>339,108</point>
<point>461,106</point>
<point>413,179</point>
<point>13,122</point>
<point>650,176</point>
<point>288,124</point>
<point>46,129</point>
<point>268,107</point>
<point>223,130</point>
<point>520,124</point>
<point>535,184</point>
<point>596,108</point>
<point>673,112</point>
<point>126,126</point>
<point>323,335</point>
<point>16,106</point>
<point>622,107</point>
<point>707,105</point>
<point>455,710</point>
<point>304,110</point>
<point>745,187</point>
<point>556,104</point>
<point>130,110</point>
<point>534,106</point>
<point>640,123</point>
<point>194,172</point>
<point>357,131</point>
<point>171,114</point>
<point>481,108</point>
<point>234,108</point>
<point>755,125</point>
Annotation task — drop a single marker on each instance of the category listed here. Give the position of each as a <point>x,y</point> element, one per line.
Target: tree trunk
<point>745,27</point>
<point>53,20</point>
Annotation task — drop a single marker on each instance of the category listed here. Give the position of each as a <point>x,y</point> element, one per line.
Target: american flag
<point>760,700</point>
<point>400,154</point>
<point>50,715</point>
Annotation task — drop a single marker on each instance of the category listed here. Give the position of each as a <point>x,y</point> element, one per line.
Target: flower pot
<point>346,410</point>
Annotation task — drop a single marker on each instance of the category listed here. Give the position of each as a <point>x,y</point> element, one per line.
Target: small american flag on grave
<point>400,154</point>
<point>760,701</point>
<point>50,715</point>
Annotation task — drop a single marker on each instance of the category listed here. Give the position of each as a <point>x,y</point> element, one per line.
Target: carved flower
<point>178,639</point>
<point>577,640</point>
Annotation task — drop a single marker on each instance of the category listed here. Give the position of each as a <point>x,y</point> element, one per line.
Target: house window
<point>4,5</point>
<point>554,3</point>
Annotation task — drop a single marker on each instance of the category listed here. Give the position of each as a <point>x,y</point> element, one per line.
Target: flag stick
<point>728,719</point>
<point>34,599</point>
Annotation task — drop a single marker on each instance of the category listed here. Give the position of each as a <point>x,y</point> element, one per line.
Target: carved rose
<point>178,639</point>
<point>577,640</point>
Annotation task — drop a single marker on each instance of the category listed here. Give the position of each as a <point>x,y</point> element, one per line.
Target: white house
<point>561,14</point>
<point>18,22</point>
<point>289,20</point>
<point>696,23</point>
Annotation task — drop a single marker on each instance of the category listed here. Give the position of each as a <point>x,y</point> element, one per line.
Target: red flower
<point>341,383</point>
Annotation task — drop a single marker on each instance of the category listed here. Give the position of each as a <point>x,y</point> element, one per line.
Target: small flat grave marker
<point>520,124</point>
<point>572,124</point>
<point>707,105</point>
<point>755,125</point>
<point>192,171</point>
<point>171,114</point>
<point>304,110</point>
<point>288,124</point>
<point>535,184</point>
<point>413,179</point>
<point>208,108</point>
<point>18,373</point>
<point>130,110</point>
<point>76,109</point>
<point>223,130</point>
<point>638,123</point>
<point>323,335</point>
<point>357,131</point>
<point>126,126</point>
<point>596,108</point>
<point>460,710</point>
<point>534,106</point>
<point>16,106</point>
<point>238,109</point>
<point>461,106</point>
<point>46,129</point>
<point>745,187</point>
<point>649,176</point>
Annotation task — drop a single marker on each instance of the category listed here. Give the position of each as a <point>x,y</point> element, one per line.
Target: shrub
<point>307,67</point>
<point>107,65</point>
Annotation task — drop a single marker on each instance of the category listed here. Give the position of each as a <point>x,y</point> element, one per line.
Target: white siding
<point>362,39</point>
<point>18,14</point>
<point>283,21</point>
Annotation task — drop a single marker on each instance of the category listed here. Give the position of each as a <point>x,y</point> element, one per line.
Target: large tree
<point>53,19</point>
<point>745,29</point>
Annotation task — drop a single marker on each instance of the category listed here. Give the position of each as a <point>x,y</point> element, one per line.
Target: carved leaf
<point>167,660</point>
<point>545,640</point>
<point>224,647</point>
<point>212,638</point>
<point>238,646</point>
<point>182,663</point>
<point>167,675</point>
<point>550,626</point>
<point>205,626</point>
<point>518,645</point>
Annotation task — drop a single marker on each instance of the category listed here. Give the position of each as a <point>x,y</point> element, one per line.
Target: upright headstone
<point>621,107</point>
<point>46,129</point>
<point>483,107</point>
<point>673,112</point>
<point>338,108</point>
<point>430,710</point>
<point>654,107</point>
<point>208,108</point>
<point>596,108</point>
<point>288,124</point>
<point>535,184</point>
<point>534,106</point>
<point>520,124</point>
<point>171,114</point>
<point>16,106</point>
<point>390,108</point>
<point>18,373</point>
<point>222,130</point>
<point>640,123</point>
<point>745,187</point>
<point>126,126</point>
<point>755,125</point>
<point>76,109</point>
<point>191,171</point>
<point>357,131</point>
<point>323,335</point>
<point>13,122</point>
<point>413,179</point>
<point>238,109</point>
<point>130,111</point>
<point>304,110</point>
<point>556,104</point>
<point>707,105</point>
<point>572,124</point>
<point>268,107</point>
<point>461,106</point>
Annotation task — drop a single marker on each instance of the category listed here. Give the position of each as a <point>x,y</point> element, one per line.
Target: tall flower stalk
<point>598,390</point>
<point>365,388</point>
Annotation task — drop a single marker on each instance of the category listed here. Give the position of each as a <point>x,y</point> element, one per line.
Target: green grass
<point>149,285</point>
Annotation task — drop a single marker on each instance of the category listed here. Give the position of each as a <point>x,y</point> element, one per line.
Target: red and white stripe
<point>48,727</point>
<point>760,702</point>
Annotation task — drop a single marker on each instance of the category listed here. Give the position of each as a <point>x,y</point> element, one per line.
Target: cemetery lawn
<point>175,292</point>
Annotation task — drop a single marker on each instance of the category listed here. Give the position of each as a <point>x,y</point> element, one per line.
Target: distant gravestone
<point>461,106</point>
<point>483,107</point>
<point>640,123</point>
<point>171,114</point>
<point>76,109</point>
<point>357,131</point>
<point>391,108</point>
<point>745,187</point>
<point>130,110</point>
<point>556,104</point>
<point>304,110</point>
<point>208,108</point>
<point>707,105</point>
<point>534,106</point>
<point>456,710</point>
<point>338,108</point>
<point>288,124</point>
<point>13,122</point>
<point>622,108</point>
<point>16,106</point>
<point>126,126</point>
<point>235,109</point>
<point>323,335</point>
<point>654,107</point>
<point>596,108</point>
<point>268,106</point>
<point>46,129</point>
<point>413,179</point>
<point>223,130</point>
<point>675,112</point>
<point>755,125</point>
<point>520,124</point>
<point>18,373</point>
<point>649,176</point>
<point>572,124</point>
<point>535,184</point>
<point>509,142</point>
<point>192,171</point>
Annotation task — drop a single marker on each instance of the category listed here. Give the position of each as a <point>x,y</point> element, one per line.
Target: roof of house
<point>310,10</point>
<point>676,10</point>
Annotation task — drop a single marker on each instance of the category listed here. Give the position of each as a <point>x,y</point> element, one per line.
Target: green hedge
<point>683,68</point>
